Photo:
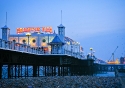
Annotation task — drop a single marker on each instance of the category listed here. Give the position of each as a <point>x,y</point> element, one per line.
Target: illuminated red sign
<point>47,29</point>
<point>29,29</point>
<point>34,29</point>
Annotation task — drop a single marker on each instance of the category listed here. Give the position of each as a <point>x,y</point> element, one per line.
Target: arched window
<point>14,40</point>
<point>43,40</point>
<point>24,41</point>
<point>33,40</point>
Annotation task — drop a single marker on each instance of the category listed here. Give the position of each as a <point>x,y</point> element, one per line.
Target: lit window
<point>14,40</point>
<point>43,40</point>
<point>24,41</point>
<point>33,40</point>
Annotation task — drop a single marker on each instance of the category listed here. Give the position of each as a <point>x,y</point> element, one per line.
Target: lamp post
<point>78,48</point>
<point>18,37</point>
<point>91,51</point>
<point>67,45</point>
<point>38,38</point>
<point>28,35</point>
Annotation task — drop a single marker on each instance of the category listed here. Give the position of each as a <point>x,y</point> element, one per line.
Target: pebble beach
<point>62,82</point>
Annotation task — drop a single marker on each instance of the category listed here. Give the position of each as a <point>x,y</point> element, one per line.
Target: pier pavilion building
<point>45,38</point>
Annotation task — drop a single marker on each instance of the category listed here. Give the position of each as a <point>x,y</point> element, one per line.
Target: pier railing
<point>12,45</point>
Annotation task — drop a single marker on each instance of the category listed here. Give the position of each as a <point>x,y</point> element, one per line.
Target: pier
<point>18,56</point>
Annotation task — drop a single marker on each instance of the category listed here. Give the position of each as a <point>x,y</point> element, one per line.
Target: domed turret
<point>5,33</point>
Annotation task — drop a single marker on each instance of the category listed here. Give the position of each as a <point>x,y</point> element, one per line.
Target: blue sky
<point>99,24</point>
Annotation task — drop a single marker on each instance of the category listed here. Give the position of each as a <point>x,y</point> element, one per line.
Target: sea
<point>41,73</point>
<point>105,74</point>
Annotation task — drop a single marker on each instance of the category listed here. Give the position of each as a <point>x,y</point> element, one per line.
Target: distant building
<point>122,60</point>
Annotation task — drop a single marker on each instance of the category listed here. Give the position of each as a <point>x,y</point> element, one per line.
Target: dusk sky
<point>99,24</point>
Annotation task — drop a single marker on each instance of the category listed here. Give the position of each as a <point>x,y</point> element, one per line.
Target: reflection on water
<point>105,74</point>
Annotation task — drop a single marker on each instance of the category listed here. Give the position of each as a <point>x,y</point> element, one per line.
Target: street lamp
<point>68,43</point>
<point>28,35</point>
<point>18,37</point>
<point>91,51</point>
<point>38,39</point>
<point>78,46</point>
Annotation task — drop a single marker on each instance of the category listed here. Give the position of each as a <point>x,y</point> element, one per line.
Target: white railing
<point>11,45</point>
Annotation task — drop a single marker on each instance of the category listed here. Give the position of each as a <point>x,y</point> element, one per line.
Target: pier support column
<point>58,70</point>
<point>21,71</point>
<point>45,70</point>
<point>11,68</point>
<point>38,70</point>
<point>9,76</point>
<point>54,70</point>
<point>71,70</point>
<point>18,71</point>
<point>63,71</point>
<point>15,70</point>
<point>34,70</point>
<point>67,70</point>
<point>27,71</point>
<point>0,70</point>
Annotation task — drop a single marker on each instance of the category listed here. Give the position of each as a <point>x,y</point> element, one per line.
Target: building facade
<point>43,37</point>
<point>122,60</point>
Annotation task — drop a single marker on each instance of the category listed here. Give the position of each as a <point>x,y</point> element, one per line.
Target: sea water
<point>41,72</point>
<point>105,74</point>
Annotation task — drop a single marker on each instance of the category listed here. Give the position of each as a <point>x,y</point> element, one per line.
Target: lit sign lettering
<point>34,29</point>
<point>47,29</point>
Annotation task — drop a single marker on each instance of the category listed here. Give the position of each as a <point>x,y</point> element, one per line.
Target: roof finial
<point>6,18</point>
<point>54,32</point>
<point>61,16</point>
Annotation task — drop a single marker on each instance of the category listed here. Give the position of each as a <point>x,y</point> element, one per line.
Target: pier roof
<point>61,25</point>
<point>5,27</point>
<point>56,40</point>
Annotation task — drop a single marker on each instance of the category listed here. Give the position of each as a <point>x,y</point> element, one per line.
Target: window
<point>33,40</point>
<point>43,40</point>
<point>24,41</point>
<point>14,40</point>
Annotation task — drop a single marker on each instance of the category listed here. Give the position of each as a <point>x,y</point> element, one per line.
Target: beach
<point>62,82</point>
